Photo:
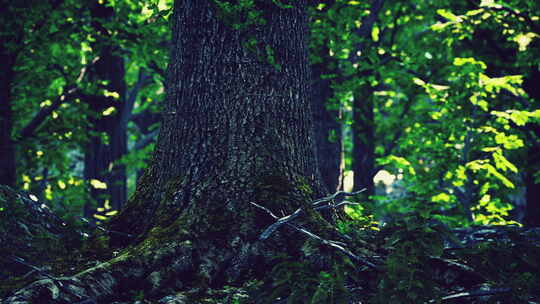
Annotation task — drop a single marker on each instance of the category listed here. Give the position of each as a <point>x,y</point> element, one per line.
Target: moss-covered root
<point>138,268</point>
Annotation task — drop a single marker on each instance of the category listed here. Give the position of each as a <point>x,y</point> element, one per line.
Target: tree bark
<point>235,130</point>
<point>532,190</point>
<point>532,209</point>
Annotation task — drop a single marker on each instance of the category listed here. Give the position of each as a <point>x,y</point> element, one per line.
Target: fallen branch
<point>286,220</point>
<point>475,293</point>
<point>283,220</point>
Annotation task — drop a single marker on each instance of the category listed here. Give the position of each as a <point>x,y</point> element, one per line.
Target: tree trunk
<point>532,210</point>
<point>532,191</point>
<point>99,155</point>
<point>7,148</point>
<point>363,131</point>
<point>327,126</point>
<point>235,130</point>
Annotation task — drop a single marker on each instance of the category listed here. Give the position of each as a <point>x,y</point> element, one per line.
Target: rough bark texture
<point>327,126</point>
<point>235,130</point>
<point>232,123</point>
<point>363,142</point>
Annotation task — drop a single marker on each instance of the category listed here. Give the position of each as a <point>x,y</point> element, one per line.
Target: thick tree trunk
<point>327,126</point>
<point>363,131</point>
<point>235,130</point>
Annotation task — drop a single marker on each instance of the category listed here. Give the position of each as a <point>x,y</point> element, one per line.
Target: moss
<point>168,209</point>
<point>97,247</point>
<point>249,292</point>
<point>129,219</point>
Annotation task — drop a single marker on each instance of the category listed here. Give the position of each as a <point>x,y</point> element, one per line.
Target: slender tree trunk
<point>327,126</point>
<point>532,210</point>
<point>7,149</point>
<point>363,132</point>
<point>532,194</point>
<point>100,155</point>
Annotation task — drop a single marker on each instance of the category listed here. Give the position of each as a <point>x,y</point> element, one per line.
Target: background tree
<point>50,119</point>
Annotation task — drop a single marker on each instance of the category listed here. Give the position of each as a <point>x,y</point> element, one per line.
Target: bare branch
<point>132,96</point>
<point>283,220</point>
<point>476,293</point>
<point>338,245</point>
<point>69,92</point>
<point>146,140</point>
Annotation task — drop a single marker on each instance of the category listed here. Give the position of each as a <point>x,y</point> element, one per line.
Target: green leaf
<point>449,15</point>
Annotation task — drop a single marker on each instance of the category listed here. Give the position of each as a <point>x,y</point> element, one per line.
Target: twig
<point>56,281</point>
<point>34,268</point>
<point>105,230</point>
<point>283,220</point>
<point>475,293</point>
<point>337,245</point>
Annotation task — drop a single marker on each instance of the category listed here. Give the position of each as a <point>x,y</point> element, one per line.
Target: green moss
<point>168,210</point>
<point>138,208</point>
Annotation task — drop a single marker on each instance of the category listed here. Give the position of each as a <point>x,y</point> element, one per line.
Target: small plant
<point>300,282</point>
<point>408,277</point>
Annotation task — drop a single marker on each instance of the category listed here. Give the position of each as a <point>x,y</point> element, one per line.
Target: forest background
<point>436,101</point>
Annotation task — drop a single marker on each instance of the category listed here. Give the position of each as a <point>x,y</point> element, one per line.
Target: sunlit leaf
<point>97,184</point>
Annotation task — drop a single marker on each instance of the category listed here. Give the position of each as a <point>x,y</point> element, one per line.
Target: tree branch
<point>335,244</point>
<point>132,96</point>
<point>476,293</point>
<point>69,91</point>
<point>286,219</point>
<point>148,138</point>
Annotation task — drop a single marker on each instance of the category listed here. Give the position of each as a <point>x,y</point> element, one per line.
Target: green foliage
<point>55,50</point>
<point>408,278</point>
<point>302,282</point>
<point>241,16</point>
<point>449,111</point>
